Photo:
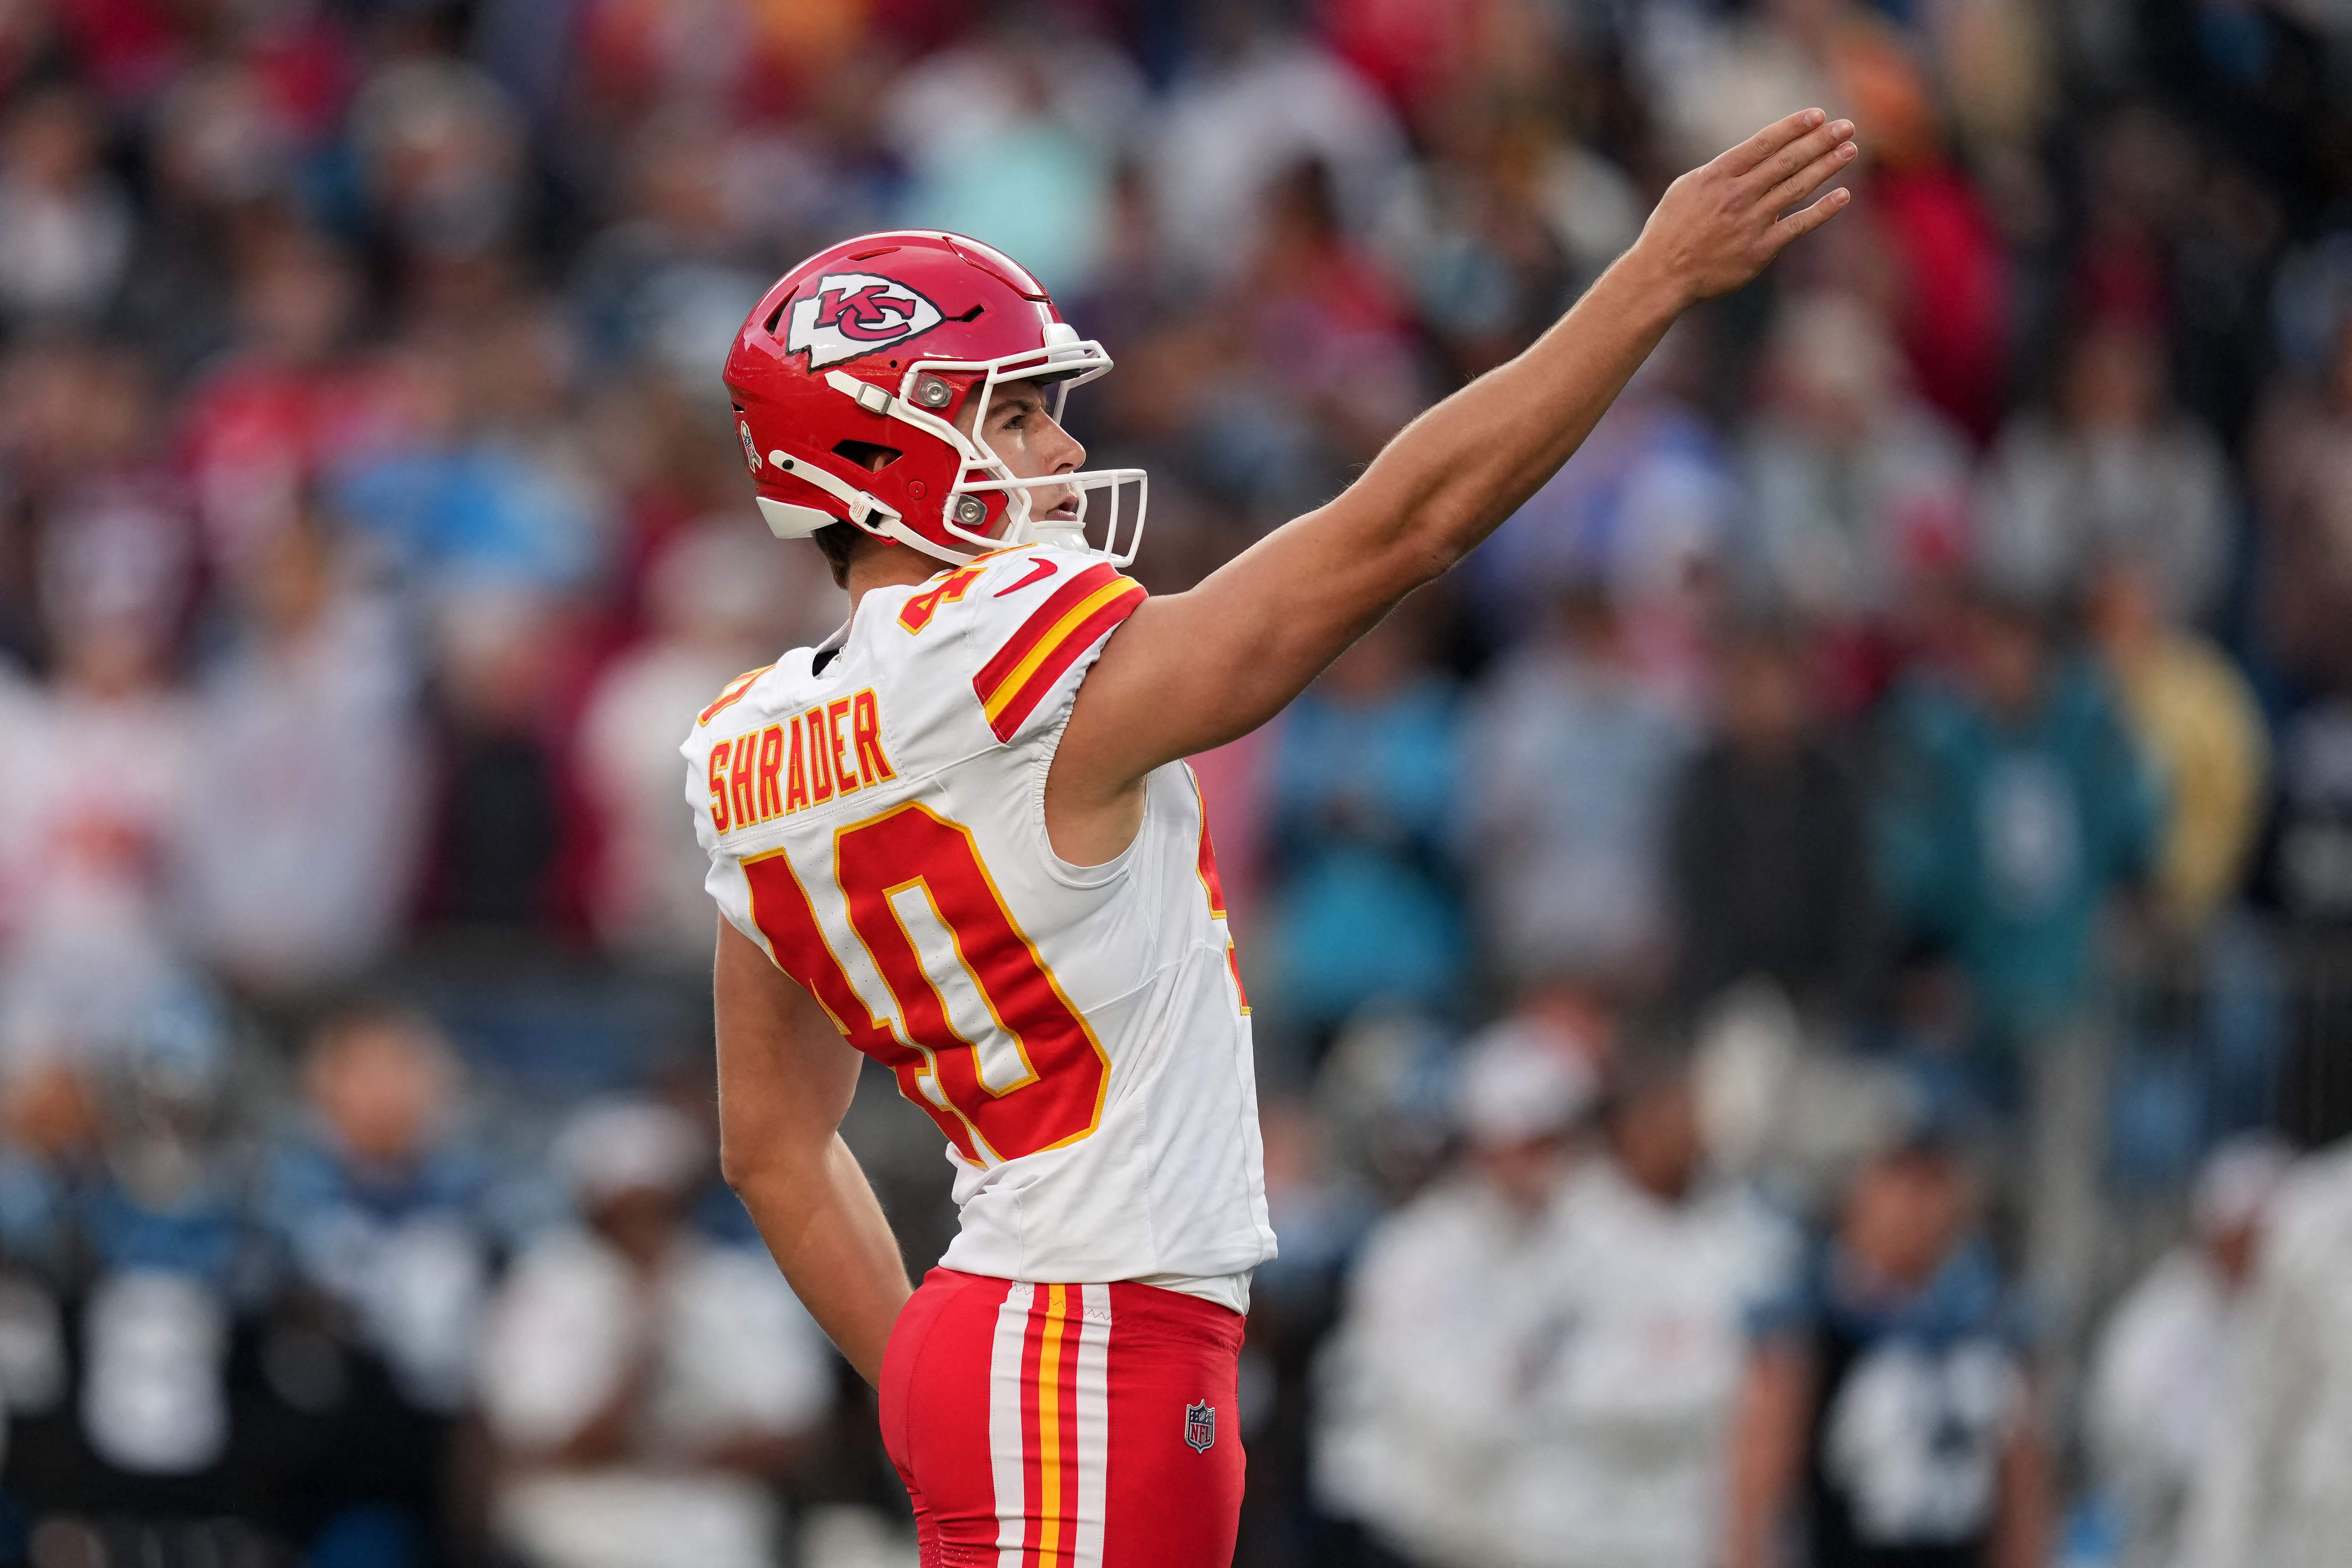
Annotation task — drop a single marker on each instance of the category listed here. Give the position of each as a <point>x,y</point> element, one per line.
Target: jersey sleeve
<point>701,741</point>
<point>1037,621</point>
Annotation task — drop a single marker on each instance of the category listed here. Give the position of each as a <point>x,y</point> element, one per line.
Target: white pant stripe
<point>1093,1423</point>
<point>1006,1425</point>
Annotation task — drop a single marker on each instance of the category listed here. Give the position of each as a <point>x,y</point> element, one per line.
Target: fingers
<point>1798,224</point>
<point>1770,140</point>
<point>1799,154</point>
<point>1810,178</point>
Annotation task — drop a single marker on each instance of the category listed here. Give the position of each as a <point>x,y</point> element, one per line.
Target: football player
<point>959,836</point>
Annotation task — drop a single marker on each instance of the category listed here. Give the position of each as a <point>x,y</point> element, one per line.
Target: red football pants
<point>1051,1425</point>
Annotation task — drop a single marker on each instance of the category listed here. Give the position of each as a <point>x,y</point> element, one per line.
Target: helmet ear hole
<point>871,456</point>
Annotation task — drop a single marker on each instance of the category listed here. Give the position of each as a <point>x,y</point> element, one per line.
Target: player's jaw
<point>1020,429</point>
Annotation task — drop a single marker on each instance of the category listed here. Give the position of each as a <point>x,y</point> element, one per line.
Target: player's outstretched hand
<point>1717,225</point>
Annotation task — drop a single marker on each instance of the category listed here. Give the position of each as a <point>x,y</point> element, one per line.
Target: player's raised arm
<point>785,1081</point>
<point>1189,671</point>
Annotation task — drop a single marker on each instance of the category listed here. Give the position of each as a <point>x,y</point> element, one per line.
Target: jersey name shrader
<point>834,748</point>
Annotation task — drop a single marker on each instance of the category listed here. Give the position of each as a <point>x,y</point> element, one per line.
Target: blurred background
<point>1803,995</point>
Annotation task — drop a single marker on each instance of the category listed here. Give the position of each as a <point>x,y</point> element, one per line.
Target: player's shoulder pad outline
<point>731,694</point>
<point>1067,602</point>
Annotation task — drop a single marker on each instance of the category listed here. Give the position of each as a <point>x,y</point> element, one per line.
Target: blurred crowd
<point>1802,996</point>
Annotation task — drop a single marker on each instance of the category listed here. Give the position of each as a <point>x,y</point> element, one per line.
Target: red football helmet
<point>880,341</point>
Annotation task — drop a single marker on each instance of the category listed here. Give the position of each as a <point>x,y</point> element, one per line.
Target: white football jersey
<point>876,822</point>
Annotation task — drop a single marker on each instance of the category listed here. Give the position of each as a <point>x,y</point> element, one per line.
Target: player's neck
<point>888,566</point>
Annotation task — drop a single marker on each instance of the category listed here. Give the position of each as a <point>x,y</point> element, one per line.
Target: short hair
<point>365,1012</point>
<point>1652,1054</point>
<point>839,543</point>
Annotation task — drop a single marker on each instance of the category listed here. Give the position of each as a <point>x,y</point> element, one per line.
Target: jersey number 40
<point>1057,1097</point>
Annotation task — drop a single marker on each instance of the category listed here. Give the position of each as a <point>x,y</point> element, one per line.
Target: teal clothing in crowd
<point>2001,840</point>
<point>1365,908</point>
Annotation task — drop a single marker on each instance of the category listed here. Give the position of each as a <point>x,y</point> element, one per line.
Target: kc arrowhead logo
<point>854,313</point>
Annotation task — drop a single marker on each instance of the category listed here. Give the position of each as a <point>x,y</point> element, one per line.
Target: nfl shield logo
<point>1201,1425</point>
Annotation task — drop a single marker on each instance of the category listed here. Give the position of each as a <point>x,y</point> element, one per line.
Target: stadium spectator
<point>2268,1493</point>
<point>167,1291</point>
<point>1323,328</point>
<point>2301,470</point>
<point>2195,724</point>
<point>65,228</point>
<point>2013,810</point>
<point>492,487</point>
<point>2308,850</point>
<point>382,1209</point>
<point>1770,844</point>
<point>88,945</point>
<point>2113,468</point>
<point>51,1143</point>
<point>218,148</point>
<point>1423,1382</point>
<point>1887,1414</point>
<point>1365,774</point>
<point>498,852</point>
<point>383,1202</point>
<point>2171,1351</point>
<point>307,727</point>
<point>645,1386</point>
<point>293,404</point>
<point>1506,218</point>
<point>2303,447</point>
<point>718,602</point>
<point>1705,71</point>
<point>1010,136</point>
<point>1569,762</point>
<point>2199,730</point>
<point>1950,275</point>
<point>1257,102</point>
<point>1629,1384</point>
<point>667,284</point>
<point>440,156</point>
<point>1316,353</point>
<point>49,1160</point>
<point>1860,491</point>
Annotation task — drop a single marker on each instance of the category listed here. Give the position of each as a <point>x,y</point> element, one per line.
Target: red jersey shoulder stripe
<point>1042,620</point>
<point>735,688</point>
<point>1073,618</point>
